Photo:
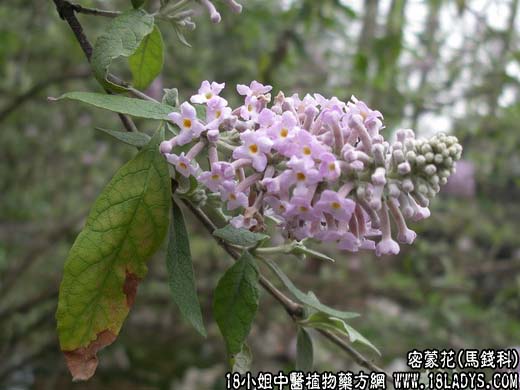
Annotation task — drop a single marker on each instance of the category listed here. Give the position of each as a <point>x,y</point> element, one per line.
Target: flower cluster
<point>214,14</point>
<point>177,13</point>
<point>318,167</point>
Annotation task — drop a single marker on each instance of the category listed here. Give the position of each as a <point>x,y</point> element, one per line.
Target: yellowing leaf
<point>108,259</point>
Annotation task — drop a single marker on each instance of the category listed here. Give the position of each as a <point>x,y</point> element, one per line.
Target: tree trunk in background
<point>388,52</point>
<point>365,51</point>
<point>497,76</point>
<point>431,52</point>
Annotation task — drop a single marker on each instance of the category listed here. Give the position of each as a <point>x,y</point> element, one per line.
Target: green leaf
<point>236,301</point>
<point>124,105</point>
<point>147,61</point>
<point>121,39</point>
<point>310,298</point>
<point>241,362</point>
<point>171,97</point>
<point>125,227</point>
<point>135,139</point>
<point>303,250</point>
<point>138,3</point>
<point>180,35</point>
<point>240,237</point>
<point>326,322</point>
<point>180,271</point>
<point>304,351</point>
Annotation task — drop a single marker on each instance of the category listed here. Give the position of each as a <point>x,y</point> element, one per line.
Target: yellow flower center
<point>332,167</point>
<point>186,123</point>
<point>218,114</point>
<point>303,209</point>
<point>183,165</point>
<point>215,177</point>
<point>300,176</point>
<point>281,208</point>
<point>335,205</point>
<point>307,151</point>
<point>249,108</point>
<point>284,132</point>
<point>232,197</point>
<point>208,95</point>
<point>253,148</point>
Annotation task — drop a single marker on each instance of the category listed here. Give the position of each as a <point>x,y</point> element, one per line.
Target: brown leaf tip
<point>130,287</point>
<point>82,362</point>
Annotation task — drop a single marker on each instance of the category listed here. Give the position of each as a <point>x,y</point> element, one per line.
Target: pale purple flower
<point>235,7</point>
<point>331,234</point>
<point>216,112</point>
<point>272,185</point>
<point>234,198</point>
<point>213,13</point>
<point>306,145</point>
<point>254,89</point>
<point>241,222</point>
<point>282,130</point>
<point>329,167</point>
<point>333,103</point>
<point>207,92</point>
<point>182,164</point>
<point>188,123</point>
<point>333,204</point>
<point>367,244</point>
<point>255,147</point>
<point>220,172</point>
<point>349,242</point>
<point>249,111</point>
<point>280,207</point>
<point>301,207</point>
<point>300,105</point>
<point>302,231</point>
<point>303,172</point>
<point>371,118</point>
<point>266,118</point>
<point>387,246</point>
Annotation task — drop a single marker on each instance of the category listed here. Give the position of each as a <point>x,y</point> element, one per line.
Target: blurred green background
<point>437,65</point>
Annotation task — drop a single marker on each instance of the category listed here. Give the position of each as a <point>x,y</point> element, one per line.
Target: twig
<point>294,309</point>
<point>356,356</point>
<point>66,10</point>
<point>95,11</point>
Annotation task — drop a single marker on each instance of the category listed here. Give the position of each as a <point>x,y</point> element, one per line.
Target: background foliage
<point>433,65</point>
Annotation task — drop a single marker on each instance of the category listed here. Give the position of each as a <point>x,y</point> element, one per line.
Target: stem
<point>95,11</point>
<point>356,356</point>
<point>287,248</point>
<point>67,11</point>
<point>294,309</point>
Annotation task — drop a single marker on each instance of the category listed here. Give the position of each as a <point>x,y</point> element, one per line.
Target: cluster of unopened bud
<point>318,167</point>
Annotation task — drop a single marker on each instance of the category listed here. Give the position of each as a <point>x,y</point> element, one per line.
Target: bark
<point>432,50</point>
<point>497,77</point>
